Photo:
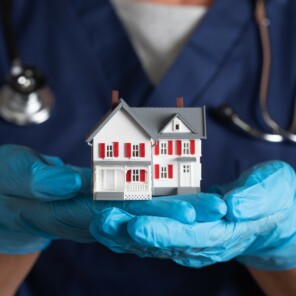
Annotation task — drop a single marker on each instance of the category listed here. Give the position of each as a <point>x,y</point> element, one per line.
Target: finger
<point>173,208</point>
<point>167,233</point>
<point>52,160</point>
<point>268,189</point>
<point>110,228</point>
<point>86,177</point>
<point>208,207</point>
<point>51,183</point>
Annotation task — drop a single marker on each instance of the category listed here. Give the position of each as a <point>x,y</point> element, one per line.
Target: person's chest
<point>85,53</point>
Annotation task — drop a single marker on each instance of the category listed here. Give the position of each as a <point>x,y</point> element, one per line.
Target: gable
<point>120,128</point>
<point>176,125</point>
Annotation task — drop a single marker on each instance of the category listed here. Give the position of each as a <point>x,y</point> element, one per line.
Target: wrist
<point>13,270</point>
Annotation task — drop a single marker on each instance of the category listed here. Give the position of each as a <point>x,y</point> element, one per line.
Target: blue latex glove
<point>259,228</point>
<point>42,199</point>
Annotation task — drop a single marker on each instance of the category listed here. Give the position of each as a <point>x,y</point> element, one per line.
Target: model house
<point>140,152</point>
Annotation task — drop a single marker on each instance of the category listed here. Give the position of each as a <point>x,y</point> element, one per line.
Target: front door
<point>109,179</point>
<point>113,179</point>
<point>185,175</point>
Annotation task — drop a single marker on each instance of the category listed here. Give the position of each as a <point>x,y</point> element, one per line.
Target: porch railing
<point>137,187</point>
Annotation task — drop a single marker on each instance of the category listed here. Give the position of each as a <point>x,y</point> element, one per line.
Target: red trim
<point>170,171</point>
<point>179,147</point>
<point>142,149</point>
<point>142,175</point>
<point>115,149</point>
<point>170,147</point>
<point>156,148</point>
<point>192,146</point>
<point>101,150</point>
<point>128,176</point>
<point>128,150</point>
<point>156,171</point>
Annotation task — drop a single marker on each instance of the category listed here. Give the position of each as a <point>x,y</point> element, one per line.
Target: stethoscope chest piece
<point>25,99</point>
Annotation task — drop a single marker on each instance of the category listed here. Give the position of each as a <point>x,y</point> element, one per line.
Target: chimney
<point>179,102</point>
<point>114,99</point>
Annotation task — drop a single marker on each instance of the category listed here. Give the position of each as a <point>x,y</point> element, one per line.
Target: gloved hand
<point>43,199</point>
<point>259,228</point>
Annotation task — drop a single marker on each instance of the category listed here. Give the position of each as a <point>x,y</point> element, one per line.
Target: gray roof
<point>154,119</point>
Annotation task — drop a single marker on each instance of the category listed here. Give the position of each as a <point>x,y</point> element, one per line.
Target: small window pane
<point>109,151</point>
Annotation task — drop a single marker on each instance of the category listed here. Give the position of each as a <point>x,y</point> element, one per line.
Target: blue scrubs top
<point>84,51</point>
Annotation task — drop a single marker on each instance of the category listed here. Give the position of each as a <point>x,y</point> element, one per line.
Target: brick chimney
<point>114,99</point>
<point>179,102</point>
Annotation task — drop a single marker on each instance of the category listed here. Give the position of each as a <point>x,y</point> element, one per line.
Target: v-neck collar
<point>204,54</point>
<point>192,72</point>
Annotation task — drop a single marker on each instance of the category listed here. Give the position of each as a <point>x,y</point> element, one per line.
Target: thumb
<point>52,183</point>
<point>268,189</point>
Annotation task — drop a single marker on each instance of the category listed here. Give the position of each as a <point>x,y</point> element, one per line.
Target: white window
<point>164,148</point>
<point>176,124</point>
<point>186,168</point>
<point>135,175</point>
<point>164,172</point>
<point>109,151</point>
<point>186,149</point>
<point>135,150</point>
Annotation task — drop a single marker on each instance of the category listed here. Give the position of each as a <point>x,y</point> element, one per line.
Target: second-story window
<point>135,150</point>
<point>109,150</point>
<point>163,148</point>
<point>186,148</point>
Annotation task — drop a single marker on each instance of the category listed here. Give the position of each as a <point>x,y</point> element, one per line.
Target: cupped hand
<point>42,199</point>
<point>259,228</point>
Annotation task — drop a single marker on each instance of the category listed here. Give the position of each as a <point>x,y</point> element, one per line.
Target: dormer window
<point>176,124</point>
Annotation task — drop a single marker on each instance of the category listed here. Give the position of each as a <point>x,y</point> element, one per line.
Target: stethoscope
<point>227,115</point>
<point>26,99</point>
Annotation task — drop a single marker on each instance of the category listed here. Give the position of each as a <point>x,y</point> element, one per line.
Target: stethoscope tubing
<point>227,114</point>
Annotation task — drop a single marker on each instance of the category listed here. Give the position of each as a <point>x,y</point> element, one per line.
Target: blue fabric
<point>84,52</point>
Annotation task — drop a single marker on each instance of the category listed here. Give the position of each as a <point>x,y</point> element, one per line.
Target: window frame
<point>163,148</point>
<point>186,168</point>
<point>109,151</point>
<point>164,172</point>
<point>135,150</point>
<point>185,148</point>
<point>177,124</point>
<point>135,175</point>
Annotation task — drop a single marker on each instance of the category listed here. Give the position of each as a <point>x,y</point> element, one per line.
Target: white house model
<point>140,152</point>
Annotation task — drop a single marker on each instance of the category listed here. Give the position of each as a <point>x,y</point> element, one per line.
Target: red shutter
<point>192,146</point>
<point>170,171</point>
<point>128,175</point>
<point>142,149</point>
<point>115,149</point>
<point>128,150</point>
<point>102,150</point>
<point>142,175</point>
<point>156,148</point>
<point>156,171</point>
<point>170,147</point>
<point>179,147</point>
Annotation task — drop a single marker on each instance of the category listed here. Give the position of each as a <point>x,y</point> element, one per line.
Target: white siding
<point>123,129</point>
<point>165,160</point>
